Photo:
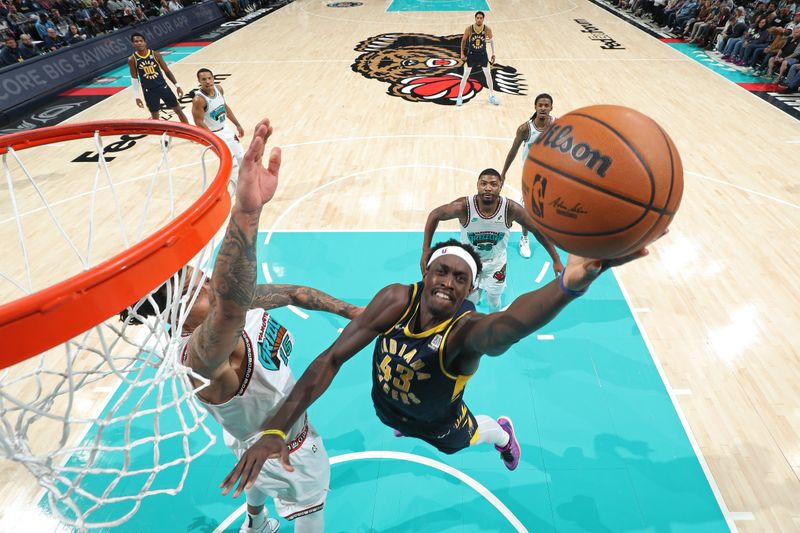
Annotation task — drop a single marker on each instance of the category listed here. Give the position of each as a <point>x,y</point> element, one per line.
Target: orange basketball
<point>603,181</point>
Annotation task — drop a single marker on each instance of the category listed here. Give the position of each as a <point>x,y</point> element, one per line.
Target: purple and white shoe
<point>397,433</point>
<point>511,452</point>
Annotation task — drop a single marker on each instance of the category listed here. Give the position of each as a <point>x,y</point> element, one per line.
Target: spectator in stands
<point>795,21</point>
<point>685,14</point>
<point>793,79</point>
<point>787,57</point>
<point>758,41</point>
<point>708,31</point>
<point>3,10</point>
<point>707,13</point>
<point>174,5</point>
<point>27,6</point>
<point>74,35</point>
<point>226,7</point>
<point>43,25</point>
<point>734,45</point>
<point>26,46</point>
<point>15,19</point>
<point>61,23</point>
<point>138,15</point>
<point>115,6</point>
<point>10,54</point>
<point>53,41</point>
<point>779,37</point>
<point>164,9</point>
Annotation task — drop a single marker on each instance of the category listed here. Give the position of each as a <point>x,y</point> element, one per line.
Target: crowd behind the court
<point>34,27</point>
<point>758,37</point>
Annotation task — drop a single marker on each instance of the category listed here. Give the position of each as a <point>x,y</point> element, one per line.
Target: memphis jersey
<point>215,114</point>
<point>488,235</point>
<point>533,134</point>
<point>477,40</point>
<point>148,70</point>
<point>267,379</point>
<point>409,382</point>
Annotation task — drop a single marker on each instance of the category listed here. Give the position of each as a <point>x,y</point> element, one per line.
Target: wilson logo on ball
<point>561,139</point>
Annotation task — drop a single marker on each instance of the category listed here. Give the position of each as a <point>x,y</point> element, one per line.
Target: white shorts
<point>297,493</point>
<point>237,152</point>
<point>492,280</point>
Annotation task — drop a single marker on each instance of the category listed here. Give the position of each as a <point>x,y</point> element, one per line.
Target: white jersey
<point>533,134</point>
<point>489,235</point>
<point>215,113</point>
<point>267,379</point>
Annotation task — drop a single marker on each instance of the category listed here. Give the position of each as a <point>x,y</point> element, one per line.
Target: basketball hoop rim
<point>39,321</point>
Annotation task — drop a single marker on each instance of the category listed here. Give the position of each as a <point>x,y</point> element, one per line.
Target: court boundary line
<point>301,7</point>
<point>412,458</point>
<point>726,513</point>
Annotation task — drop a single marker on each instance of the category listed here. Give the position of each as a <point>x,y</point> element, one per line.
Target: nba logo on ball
<point>613,181</point>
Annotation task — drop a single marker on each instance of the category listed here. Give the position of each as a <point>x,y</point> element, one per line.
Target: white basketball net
<point>109,417</point>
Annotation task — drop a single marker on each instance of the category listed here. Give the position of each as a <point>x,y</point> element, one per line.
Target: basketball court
<point>664,400</point>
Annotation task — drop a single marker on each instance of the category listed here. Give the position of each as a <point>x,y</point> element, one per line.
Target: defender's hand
<point>249,466</point>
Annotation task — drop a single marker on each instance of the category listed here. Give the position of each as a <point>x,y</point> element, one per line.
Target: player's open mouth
<point>443,296</point>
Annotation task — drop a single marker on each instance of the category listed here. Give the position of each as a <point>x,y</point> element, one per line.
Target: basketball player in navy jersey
<point>485,220</point>
<point>429,344</point>
<point>473,53</point>
<point>148,69</point>
<point>528,132</point>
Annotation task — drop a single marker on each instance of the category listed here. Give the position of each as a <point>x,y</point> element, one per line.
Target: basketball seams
<point>632,149</point>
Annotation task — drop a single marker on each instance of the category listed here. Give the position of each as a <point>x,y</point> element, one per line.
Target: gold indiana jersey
<point>409,382</point>
<point>148,70</point>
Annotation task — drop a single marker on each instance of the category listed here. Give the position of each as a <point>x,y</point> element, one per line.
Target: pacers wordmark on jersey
<point>149,70</point>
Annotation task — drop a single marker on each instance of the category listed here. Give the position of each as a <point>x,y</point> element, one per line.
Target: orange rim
<point>51,316</point>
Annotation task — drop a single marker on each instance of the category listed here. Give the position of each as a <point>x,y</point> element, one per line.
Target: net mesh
<point>110,416</point>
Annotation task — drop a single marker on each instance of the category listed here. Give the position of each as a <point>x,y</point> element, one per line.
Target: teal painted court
<point>438,5</point>
<point>603,448</point>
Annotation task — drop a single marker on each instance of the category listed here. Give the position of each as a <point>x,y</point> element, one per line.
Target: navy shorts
<point>478,59</point>
<point>448,437</point>
<point>154,96</point>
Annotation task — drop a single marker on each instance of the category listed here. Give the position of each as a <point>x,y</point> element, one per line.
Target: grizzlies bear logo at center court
<point>427,68</point>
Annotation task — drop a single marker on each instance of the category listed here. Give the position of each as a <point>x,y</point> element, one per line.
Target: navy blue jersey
<point>410,385</point>
<point>477,41</point>
<point>148,70</point>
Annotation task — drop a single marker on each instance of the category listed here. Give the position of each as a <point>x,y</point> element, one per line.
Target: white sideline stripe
<point>412,458</point>
<point>682,392</point>
<point>686,427</point>
<point>742,516</point>
<point>298,312</point>
<point>265,270</point>
<point>543,271</point>
<point>545,337</point>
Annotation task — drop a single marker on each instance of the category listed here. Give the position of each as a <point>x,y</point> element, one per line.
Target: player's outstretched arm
<point>520,216</point>
<point>522,134</point>
<point>233,281</point>
<point>455,209</point>
<point>382,312</point>
<point>271,296</point>
<point>495,333</point>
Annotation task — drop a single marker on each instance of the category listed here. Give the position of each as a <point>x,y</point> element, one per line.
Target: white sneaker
<point>524,247</point>
<point>270,525</point>
<point>493,100</point>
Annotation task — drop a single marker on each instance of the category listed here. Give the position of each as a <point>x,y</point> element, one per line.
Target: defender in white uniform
<point>229,340</point>
<point>211,112</point>
<point>527,133</point>
<point>485,221</point>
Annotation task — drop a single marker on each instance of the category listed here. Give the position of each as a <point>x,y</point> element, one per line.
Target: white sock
<point>310,523</point>
<point>490,431</point>
<point>255,521</point>
<point>488,73</point>
<point>463,80</point>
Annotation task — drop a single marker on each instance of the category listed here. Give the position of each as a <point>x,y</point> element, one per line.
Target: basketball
<point>602,181</point>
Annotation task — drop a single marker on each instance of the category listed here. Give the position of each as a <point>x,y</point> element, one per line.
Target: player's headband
<point>458,252</point>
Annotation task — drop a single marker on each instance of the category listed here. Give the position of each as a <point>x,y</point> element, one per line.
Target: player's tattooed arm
<point>455,209</point>
<point>273,295</point>
<point>520,215</point>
